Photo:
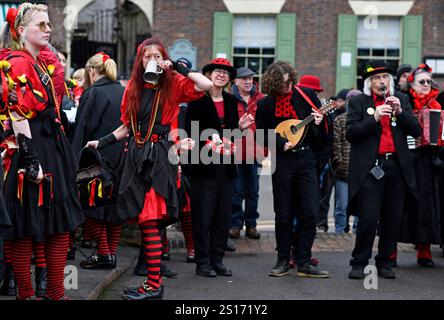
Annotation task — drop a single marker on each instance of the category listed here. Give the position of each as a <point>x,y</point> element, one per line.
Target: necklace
<point>137,135</point>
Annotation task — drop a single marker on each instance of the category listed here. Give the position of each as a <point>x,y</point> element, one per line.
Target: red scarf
<point>284,107</point>
<point>428,101</point>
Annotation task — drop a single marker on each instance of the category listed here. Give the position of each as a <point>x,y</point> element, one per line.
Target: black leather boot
<point>140,269</point>
<point>41,281</point>
<point>145,292</point>
<point>9,286</point>
<point>98,261</point>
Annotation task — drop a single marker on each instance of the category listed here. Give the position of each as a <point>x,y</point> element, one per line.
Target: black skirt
<point>422,220</point>
<point>145,168</point>
<point>5,222</point>
<point>60,211</point>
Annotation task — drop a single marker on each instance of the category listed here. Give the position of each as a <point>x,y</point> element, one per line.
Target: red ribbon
<point>5,89</point>
<point>21,179</point>
<point>11,17</point>
<point>105,57</point>
<point>92,193</point>
<point>41,194</point>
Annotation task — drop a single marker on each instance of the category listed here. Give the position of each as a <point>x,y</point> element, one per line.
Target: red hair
<point>136,83</point>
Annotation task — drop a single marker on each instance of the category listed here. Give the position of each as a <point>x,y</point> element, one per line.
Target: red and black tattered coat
<point>51,207</point>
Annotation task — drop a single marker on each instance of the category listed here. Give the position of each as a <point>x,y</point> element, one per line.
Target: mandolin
<point>295,130</point>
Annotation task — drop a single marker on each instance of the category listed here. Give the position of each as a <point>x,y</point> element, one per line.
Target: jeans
<point>246,187</point>
<point>341,203</point>
<point>326,182</point>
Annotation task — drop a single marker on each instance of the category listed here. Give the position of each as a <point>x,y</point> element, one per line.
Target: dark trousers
<point>295,182</point>
<point>327,183</point>
<point>246,187</point>
<point>380,200</point>
<point>211,213</point>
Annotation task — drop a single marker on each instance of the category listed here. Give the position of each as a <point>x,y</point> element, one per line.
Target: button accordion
<point>431,121</point>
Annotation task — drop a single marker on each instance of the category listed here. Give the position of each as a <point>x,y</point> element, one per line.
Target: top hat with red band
<point>375,67</point>
<point>220,63</point>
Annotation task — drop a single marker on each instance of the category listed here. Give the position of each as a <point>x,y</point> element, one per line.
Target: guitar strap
<point>311,104</point>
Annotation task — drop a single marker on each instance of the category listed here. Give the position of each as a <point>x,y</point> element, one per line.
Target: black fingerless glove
<point>32,164</point>
<point>106,141</point>
<point>183,70</point>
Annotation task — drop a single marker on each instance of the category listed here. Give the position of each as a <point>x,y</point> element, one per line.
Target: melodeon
<point>431,121</point>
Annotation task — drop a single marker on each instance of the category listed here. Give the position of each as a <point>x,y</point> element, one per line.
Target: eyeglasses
<point>221,72</point>
<point>423,82</point>
<point>42,26</point>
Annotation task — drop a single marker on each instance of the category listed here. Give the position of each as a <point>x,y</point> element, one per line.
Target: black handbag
<point>94,179</point>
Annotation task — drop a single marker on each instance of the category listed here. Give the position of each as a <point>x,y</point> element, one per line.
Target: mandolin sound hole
<point>294,129</point>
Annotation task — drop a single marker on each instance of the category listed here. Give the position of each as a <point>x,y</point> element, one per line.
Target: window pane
<point>393,64</point>
<point>238,50</point>
<point>266,62</point>
<point>393,52</point>
<point>254,31</point>
<point>239,62</point>
<point>378,52</point>
<point>253,64</point>
<point>268,51</point>
<point>363,52</point>
<point>254,51</point>
<point>379,33</point>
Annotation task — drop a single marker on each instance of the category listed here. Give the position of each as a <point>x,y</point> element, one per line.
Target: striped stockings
<point>38,249</point>
<point>56,247</point>
<point>187,229</point>
<point>106,235</point>
<point>152,244</point>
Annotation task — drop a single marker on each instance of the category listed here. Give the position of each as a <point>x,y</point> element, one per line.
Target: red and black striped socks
<point>114,232</point>
<point>21,252</point>
<point>56,248</point>
<point>424,251</point>
<point>152,244</point>
<point>38,249</point>
<point>187,229</point>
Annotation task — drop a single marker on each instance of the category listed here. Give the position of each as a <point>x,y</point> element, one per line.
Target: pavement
<point>251,264</point>
<point>254,259</point>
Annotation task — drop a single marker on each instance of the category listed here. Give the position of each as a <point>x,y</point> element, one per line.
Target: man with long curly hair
<point>295,179</point>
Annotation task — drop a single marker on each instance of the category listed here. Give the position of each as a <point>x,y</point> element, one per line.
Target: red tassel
<point>92,193</point>
<point>21,179</point>
<point>41,194</point>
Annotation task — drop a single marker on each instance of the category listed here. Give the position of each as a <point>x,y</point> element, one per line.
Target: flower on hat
<point>72,83</point>
<point>370,69</point>
<point>5,65</point>
<point>51,69</point>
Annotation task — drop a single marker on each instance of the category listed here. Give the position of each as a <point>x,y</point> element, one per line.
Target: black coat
<point>204,111</point>
<point>316,136</point>
<point>364,134</point>
<point>99,115</point>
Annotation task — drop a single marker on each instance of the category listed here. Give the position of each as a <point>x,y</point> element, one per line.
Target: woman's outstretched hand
<point>92,144</point>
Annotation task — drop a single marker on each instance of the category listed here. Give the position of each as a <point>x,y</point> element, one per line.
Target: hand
<point>186,145</point>
<point>40,175</point>
<point>216,138</point>
<point>246,121</point>
<point>92,144</point>
<point>394,103</point>
<point>288,146</point>
<point>383,110</point>
<point>318,117</point>
<point>166,64</point>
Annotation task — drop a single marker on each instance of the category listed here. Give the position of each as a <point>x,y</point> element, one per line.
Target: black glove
<point>32,164</point>
<point>183,70</point>
<point>106,141</point>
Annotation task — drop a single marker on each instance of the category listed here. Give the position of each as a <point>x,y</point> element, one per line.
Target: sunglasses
<point>423,82</point>
<point>42,26</point>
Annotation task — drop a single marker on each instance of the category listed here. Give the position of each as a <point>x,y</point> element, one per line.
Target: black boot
<point>145,292</point>
<point>9,287</point>
<point>71,253</point>
<point>98,261</point>
<point>41,281</point>
<point>140,269</point>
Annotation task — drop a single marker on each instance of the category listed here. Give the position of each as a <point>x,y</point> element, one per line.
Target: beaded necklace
<point>137,135</point>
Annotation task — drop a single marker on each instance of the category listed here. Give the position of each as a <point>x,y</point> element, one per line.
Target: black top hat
<point>375,67</point>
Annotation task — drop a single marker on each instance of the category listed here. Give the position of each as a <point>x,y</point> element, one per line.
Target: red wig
<point>136,83</point>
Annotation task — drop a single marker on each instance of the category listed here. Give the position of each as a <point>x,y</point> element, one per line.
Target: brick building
<point>332,39</point>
